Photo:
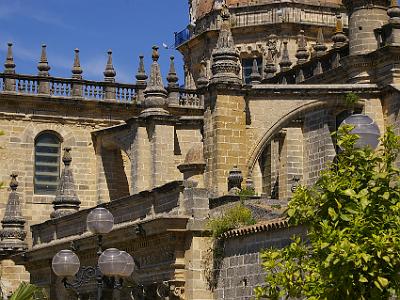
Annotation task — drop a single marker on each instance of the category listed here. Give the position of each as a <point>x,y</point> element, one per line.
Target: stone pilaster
<point>291,161</point>
<point>141,165</point>
<point>225,139</point>
<point>162,153</point>
<point>198,256</point>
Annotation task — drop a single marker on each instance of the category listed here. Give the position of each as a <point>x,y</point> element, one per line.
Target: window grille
<point>47,163</point>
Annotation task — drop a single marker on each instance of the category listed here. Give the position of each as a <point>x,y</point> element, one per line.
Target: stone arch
<point>277,126</point>
<point>32,131</point>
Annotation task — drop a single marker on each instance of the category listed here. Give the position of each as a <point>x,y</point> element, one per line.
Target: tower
<point>364,17</point>
<point>256,27</point>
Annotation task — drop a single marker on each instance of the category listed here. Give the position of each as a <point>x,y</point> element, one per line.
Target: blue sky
<point>128,27</point>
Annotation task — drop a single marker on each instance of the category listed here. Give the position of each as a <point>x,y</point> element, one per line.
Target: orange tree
<point>352,216</point>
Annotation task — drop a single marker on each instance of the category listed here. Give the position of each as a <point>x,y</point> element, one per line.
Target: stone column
<point>162,154</point>
<point>141,164</point>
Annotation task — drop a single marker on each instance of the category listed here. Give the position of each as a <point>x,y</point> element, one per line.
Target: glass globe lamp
<point>65,263</point>
<point>365,128</point>
<point>112,262</point>
<point>129,265</point>
<point>100,221</point>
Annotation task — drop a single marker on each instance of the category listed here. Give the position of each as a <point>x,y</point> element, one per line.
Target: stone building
<point>265,85</point>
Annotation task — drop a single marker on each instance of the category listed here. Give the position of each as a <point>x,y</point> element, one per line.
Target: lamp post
<point>112,265</point>
<point>365,128</point>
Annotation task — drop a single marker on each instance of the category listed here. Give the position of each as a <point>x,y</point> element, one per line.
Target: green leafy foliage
<point>235,217</point>
<point>351,99</point>
<point>353,220</point>
<point>27,291</point>
<point>245,194</point>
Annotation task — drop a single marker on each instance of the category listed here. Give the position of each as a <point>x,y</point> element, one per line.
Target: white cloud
<point>14,8</point>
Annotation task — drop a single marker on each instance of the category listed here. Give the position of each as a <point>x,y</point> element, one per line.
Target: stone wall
<point>318,145</point>
<point>241,269</point>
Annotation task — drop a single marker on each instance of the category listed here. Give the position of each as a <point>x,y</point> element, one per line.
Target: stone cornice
<point>307,89</point>
<point>154,226</point>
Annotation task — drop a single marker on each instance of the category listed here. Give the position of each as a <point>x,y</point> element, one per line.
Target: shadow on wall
<point>114,170</point>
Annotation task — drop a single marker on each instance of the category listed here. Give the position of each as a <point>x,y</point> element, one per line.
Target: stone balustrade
<point>269,14</point>
<point>86,89</point>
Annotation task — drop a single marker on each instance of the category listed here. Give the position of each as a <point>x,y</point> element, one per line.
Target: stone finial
<point>13,233</point>
<point>250,183</point>
<point>76,69</point>
<point>320,46</point>
<point>141,76</point>
<point>235,180</point>
<point>255,76</point>
<point>202,81</point>
<point>43,65</point>
<point>172,78</point>
<point>285,62</point>
<point>339,38</point>
<point>394,12</point>
<point>270,68</point>
<point>66,201</point>
<point>300,76</point>
<point>9,65</point>
<point>109,72</point>
<point>302,54</point>
<point>225,67</point>
<point>155,95</point>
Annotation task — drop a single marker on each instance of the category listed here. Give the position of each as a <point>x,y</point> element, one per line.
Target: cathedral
<point>265,84</point>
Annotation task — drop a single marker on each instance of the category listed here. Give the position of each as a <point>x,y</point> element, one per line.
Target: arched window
<point>47,163</point>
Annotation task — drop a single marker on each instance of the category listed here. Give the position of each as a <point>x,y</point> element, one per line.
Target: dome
<point>203,7</point>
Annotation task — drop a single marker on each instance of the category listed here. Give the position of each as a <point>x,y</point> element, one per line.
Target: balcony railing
<point>85,89</point>
<point>182,36</point>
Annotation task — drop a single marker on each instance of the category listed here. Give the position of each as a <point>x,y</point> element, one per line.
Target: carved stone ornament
<point>272,44</point>
<point>66,201</point>
<point>235,179</point>
<point>171,290</point>
<point>13,233</point>
<point>225,67</point>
